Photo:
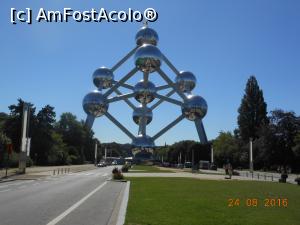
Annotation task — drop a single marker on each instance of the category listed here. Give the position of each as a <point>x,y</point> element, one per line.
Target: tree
<point>285,126</point>
<point>252,111</point>
<point>296,151</point>
<point>4,140</point>
<point>77,137</point>
<point>185,149</point>
<point>226,149</point>
<point>13,124</point>
<point>42,138</point>
<point>3,118</point>
<point>58,153</point>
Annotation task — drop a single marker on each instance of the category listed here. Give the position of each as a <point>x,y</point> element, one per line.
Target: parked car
<point>213,167</point>
<point>204,164</point>
<point>179,165</point>
<point>188,165</point>
<point>114,162</point>
<point>166,164</point>
<point>101,164</point>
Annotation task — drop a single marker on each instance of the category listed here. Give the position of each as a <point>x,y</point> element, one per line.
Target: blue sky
<point>221,42</point>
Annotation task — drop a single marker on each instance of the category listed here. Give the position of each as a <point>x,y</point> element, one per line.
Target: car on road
<point>101,164</point>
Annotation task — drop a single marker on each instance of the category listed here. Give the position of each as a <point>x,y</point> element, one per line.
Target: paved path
<point>185,174</point>
<point>210,175</point>
<point>84,198</point>
<point>40,171</point>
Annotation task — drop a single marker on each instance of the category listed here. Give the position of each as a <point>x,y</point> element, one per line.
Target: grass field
<point>184,201</point>
<point>147,169</point>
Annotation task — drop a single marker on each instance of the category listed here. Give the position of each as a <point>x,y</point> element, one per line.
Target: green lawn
<point>184,201</point>
<point>147,169</point>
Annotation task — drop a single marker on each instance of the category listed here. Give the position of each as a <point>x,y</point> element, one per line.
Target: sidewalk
<point>42,171</point>
<point>216,175</point>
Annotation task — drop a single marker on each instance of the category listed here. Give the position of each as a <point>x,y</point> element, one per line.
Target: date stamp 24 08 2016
<point>255,202</point>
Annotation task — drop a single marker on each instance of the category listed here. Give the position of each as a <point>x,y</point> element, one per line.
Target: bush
<point>115,170</point>
<point>125,168</point>
<point>117,174</point>
<point>29,162</point>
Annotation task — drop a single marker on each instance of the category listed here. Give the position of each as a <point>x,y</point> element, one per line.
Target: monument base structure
<point>148,60</point>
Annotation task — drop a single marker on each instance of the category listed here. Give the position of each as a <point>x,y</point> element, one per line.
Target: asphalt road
<point>84,198</point>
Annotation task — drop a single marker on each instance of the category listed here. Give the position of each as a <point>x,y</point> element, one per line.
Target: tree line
<point>66,141</point>
<point>275,136</point>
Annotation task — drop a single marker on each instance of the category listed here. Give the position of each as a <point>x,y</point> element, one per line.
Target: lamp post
<point>212,155</point>
<point>251,156</point>
<point>193,158</point>
<point>24,137</point>
<point>96,152</point>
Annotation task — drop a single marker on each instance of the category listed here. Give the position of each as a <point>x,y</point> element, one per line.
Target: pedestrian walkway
<point>43,171</point>
<point>213,175</point>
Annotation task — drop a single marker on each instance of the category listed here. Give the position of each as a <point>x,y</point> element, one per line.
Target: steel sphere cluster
<point>148,59</point>
<point>95,104</point>
<point>103,78</point>
<point>185,81</point>
<point>144,91</point>
<point>146,35</point>
<point>195,107</point>
<point>143,141</point>
<point>139,112</point>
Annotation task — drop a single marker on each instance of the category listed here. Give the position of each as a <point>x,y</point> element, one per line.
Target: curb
<point>8,180</point>
<point>123,207</point>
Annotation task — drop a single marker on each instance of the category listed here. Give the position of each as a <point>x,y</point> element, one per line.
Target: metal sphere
<point>103,77</point>
<point>146,35</point>
<point>185,81</point>
<point>147,58</point>
<point>143,141</point>
<point>95,104</point>
<point>144,92</point>
<point>195,107</point>
<point>138,114</point>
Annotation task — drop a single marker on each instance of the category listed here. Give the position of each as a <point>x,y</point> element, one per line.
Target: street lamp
<point>251,155</point>
<point>25,142</point>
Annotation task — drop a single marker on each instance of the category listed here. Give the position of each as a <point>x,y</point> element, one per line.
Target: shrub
<point>115,170</point>
<point>117,174</point>
<point>125,168</point>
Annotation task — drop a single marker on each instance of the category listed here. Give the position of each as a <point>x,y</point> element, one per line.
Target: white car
<point>101,164</point>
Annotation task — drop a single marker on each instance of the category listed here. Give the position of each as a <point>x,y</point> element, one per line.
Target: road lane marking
<point>97,175</point>
<point>21,187</point>
<point>104,175</point>
<point>5,190</point>
<point>73,207</point>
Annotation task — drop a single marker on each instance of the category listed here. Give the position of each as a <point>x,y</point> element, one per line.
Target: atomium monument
<point>147,59</point>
